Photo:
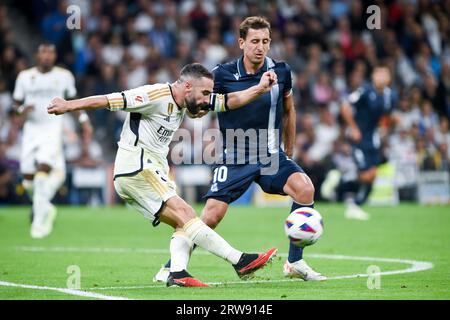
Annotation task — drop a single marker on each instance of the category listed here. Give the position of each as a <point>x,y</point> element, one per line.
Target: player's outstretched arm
<point>241,98</point>
<point>234,100</point>
<point>61,106</point>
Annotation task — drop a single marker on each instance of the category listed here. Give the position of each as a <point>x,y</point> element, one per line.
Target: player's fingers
<point>272,77</point>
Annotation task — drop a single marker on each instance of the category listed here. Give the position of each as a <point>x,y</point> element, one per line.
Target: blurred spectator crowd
<point>125,44</point>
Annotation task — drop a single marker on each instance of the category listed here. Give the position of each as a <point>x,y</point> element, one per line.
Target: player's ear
<point>241,42</point>
<point>188,86</point>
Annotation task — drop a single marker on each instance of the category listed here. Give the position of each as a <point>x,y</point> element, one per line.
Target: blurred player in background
<point>362,111</point>
<point>141,171</point>
<point>273,112</point>
<point>42,158</point>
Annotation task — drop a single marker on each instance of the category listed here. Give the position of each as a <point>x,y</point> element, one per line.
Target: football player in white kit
<point>141,172</point>
<point>42,159</point>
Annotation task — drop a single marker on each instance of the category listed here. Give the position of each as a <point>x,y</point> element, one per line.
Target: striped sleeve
<point>288,83</point>
<point>116,101</point>
<point>141,99</point>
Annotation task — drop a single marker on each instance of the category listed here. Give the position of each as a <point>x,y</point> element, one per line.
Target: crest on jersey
<point>138,99</point>
<point>169,111</point>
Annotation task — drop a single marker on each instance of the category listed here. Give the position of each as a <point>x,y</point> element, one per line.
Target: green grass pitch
<point>117,252</point>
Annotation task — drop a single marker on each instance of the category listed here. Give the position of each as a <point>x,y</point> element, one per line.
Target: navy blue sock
<point>296,252</point>
<point>167,265</point>
<point>344,189</point>
<point>363,193</point>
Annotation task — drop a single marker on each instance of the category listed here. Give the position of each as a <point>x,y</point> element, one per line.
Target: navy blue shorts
<point>366,158</point>
<point>231,181</point>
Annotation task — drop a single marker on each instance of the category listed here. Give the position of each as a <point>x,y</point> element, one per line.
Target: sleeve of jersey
<point>134,100</point>
<point>288,83</point>
<point>19,93</point>
<point>355,97</point>
<point>71,90</point>
<point>394,101</point>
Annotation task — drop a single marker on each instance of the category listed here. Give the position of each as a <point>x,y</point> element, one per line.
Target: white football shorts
<point>148,189</point>
<point>37,150</point>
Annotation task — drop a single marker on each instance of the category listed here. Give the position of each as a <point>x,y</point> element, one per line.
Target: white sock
<point>41,197</point>
<point>28,185</point>
<point>208,239</point>
<point>180,251</point>
<point>54,182</point>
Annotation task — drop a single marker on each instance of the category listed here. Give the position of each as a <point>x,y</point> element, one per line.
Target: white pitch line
<point>74,292</point>
<point>415,266</point>
<point>93,250</point>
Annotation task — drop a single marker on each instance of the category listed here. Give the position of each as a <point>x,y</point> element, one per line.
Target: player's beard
<point>193,107</point>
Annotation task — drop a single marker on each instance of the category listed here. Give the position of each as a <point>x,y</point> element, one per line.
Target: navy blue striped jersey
<point>263,116</point>
<point>369,106</point>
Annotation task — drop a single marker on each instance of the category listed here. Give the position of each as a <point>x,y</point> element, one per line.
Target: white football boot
<point>300,269</point>
<point>39,231</point>
<point>354,211</point>
<point>162,275</point>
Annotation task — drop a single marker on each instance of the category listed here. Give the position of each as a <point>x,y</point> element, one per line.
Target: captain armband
<point>117,101</point>
<point>217,103</point>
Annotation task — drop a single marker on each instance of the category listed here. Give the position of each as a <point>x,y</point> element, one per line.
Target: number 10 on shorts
<point>220,174</point>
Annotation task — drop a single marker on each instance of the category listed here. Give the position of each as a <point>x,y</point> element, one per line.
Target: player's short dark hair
<point>195,70</point>
<point>254,22</point>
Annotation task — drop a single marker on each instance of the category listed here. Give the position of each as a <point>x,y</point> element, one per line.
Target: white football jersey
<point>153,118</point>
<point>38,89</point>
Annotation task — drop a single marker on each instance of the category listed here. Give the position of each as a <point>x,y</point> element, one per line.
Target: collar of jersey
<point>173,98</point>
<point>242,72</point>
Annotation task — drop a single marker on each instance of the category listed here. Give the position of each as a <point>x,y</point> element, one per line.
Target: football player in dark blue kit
<point>362,112</point>
<point>251,140</point>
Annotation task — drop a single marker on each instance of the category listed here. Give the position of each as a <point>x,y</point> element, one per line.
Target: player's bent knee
<point>368,176</point>
<point>213,213</point>
<point>28,177</point>
<point>302,190</point>
<point>211,220</point>
<point>306,194</point>
<point>179,211</point>
<point>44,167</point>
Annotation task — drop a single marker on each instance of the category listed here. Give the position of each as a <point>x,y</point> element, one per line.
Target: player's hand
<point>355,134</point>
<point>268,79</point>
<point>57,106</point>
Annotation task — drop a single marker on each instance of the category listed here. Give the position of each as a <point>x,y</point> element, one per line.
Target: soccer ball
<point>304,226</point>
